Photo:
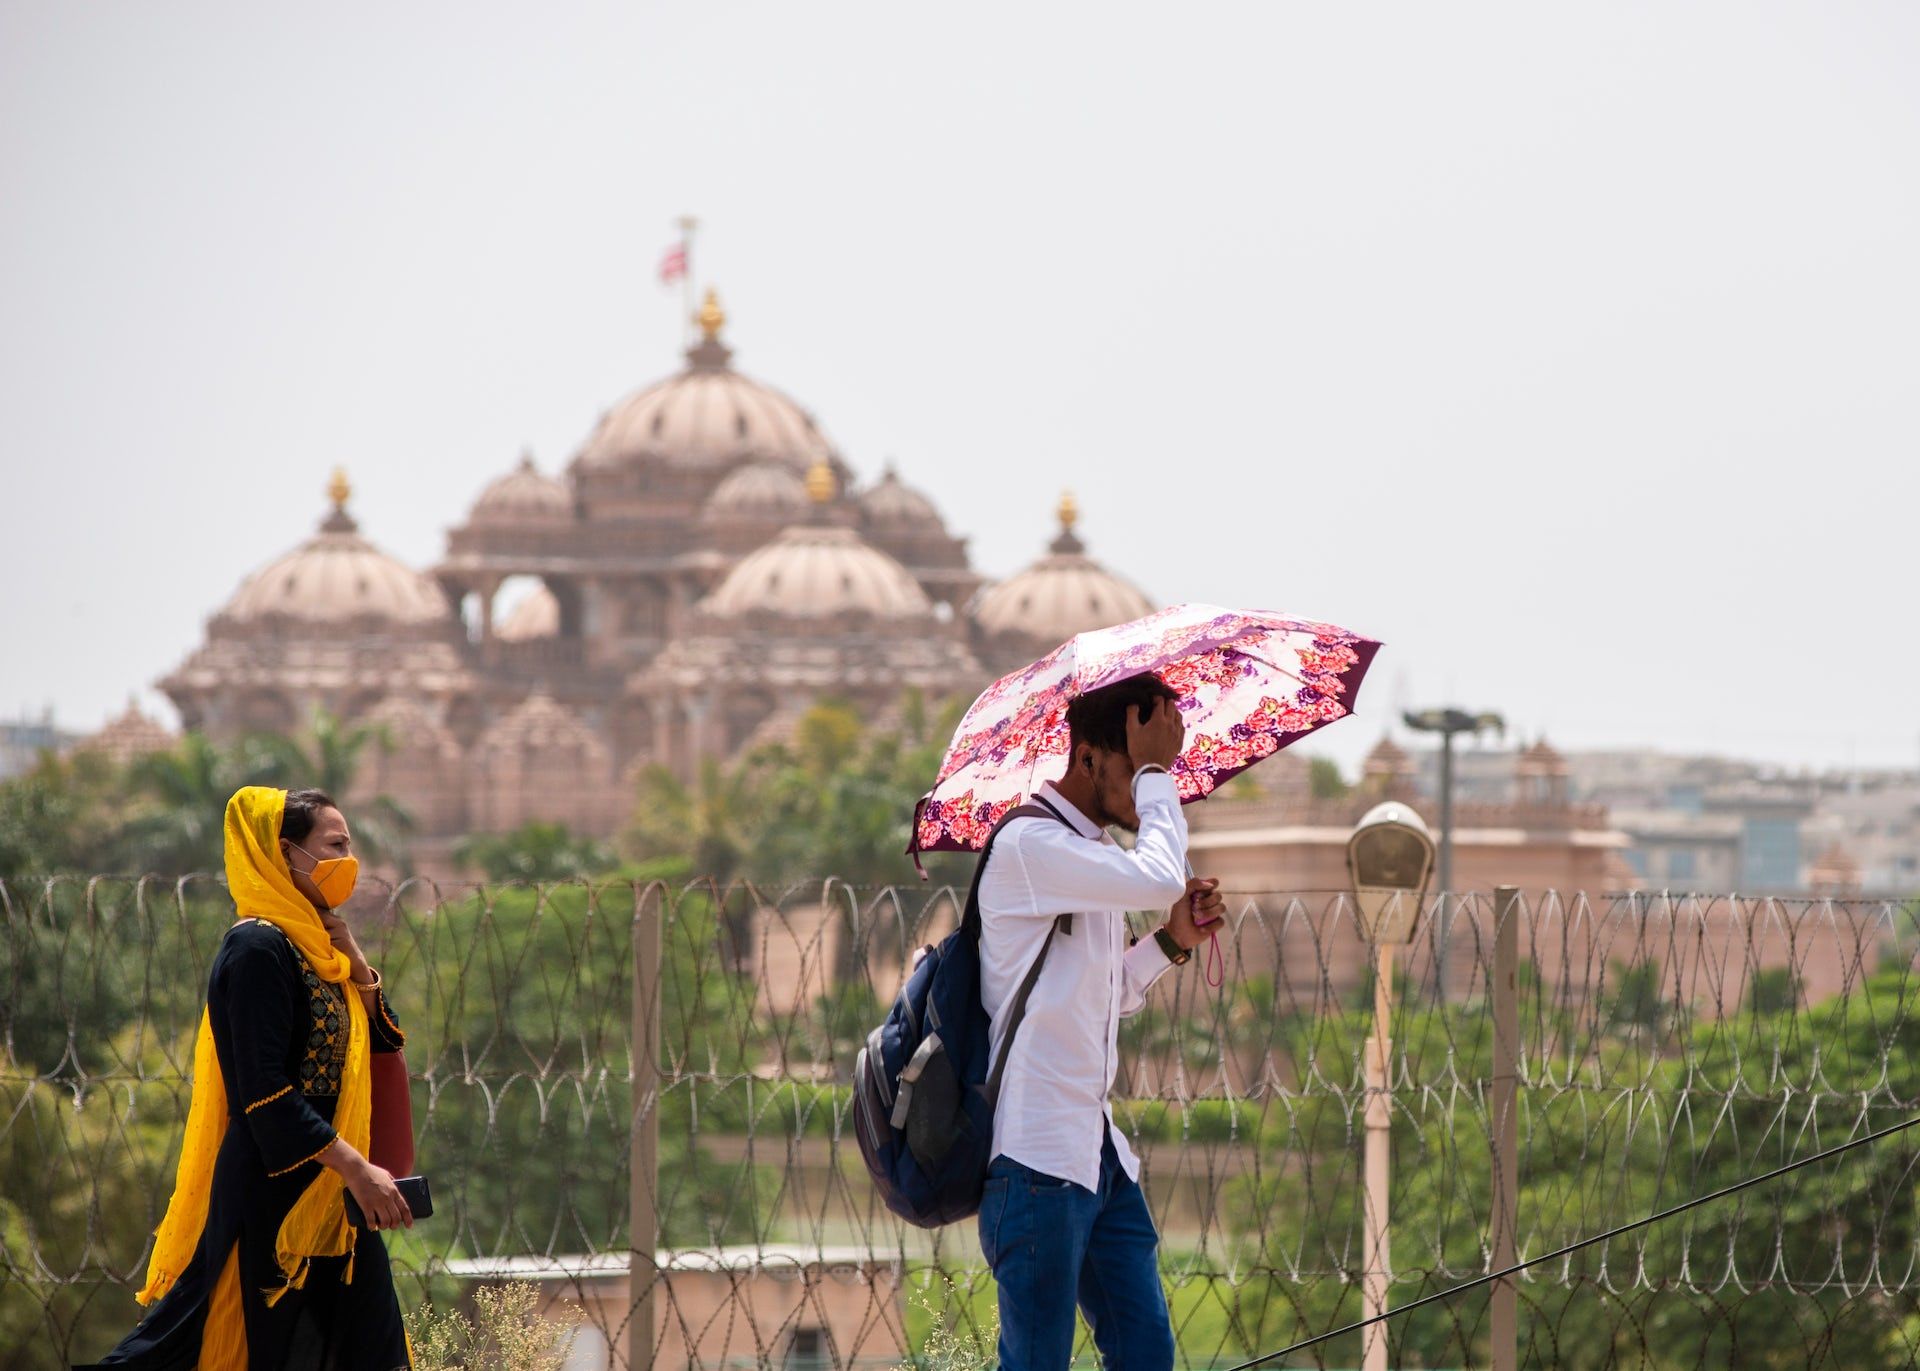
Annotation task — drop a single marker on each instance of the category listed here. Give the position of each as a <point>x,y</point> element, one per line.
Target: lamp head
<point>1389,860</point>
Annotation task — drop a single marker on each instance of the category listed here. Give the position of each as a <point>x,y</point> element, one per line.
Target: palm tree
<point>180,802</point>
<point>535,851</point>
<point>713,821</point>
<point>328,757</point>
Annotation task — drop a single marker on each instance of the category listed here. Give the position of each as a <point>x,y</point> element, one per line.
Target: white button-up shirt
<point>1053,1096</point>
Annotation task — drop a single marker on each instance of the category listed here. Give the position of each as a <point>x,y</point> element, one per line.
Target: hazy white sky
<point>1571,352</point>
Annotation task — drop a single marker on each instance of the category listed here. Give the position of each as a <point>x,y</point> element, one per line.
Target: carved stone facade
<point>705,568</point>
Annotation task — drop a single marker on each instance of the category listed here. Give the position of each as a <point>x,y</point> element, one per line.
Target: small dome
<point>411,725</point>
<point>1388,758</point>
<point>1064,593</point>
<point>706,417</point>
<point>336,577</point>
<point>890,502</point>
<point>817,571</point>
<point>523,493</point>
<point>1542,759</point>
<point>759,490</point>
<point>129,736</point>
<point>537,616</point>
<point>541,727</point>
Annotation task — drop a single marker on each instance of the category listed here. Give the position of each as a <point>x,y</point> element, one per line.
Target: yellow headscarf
<point>316,1226</point>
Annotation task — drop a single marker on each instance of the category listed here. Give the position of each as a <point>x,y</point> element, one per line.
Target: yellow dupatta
<point>316,1226</point>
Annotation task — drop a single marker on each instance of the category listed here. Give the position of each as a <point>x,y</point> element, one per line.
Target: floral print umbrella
<point>1250,682</point>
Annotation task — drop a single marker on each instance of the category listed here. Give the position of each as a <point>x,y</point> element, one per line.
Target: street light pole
<point>1376,1243</point>
<point>1389,858</point>
<point>1447,723</point>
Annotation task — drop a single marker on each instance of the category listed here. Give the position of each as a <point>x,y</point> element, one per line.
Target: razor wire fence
<point>1668,1045</point>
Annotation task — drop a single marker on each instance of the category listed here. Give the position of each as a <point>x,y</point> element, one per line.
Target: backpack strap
<point>1016,1011</point>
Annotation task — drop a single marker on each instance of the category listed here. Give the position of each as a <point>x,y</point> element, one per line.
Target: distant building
<point>128,736</point>
<point>1707,823</point>
<point>1682,849</point>
<point>1283,848</point>
<point>706,567</point>
<point>797,1307</point>
<point>23,741</point>
<point>1533,835</point>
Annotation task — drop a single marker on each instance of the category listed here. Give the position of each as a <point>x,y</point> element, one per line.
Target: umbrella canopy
<point>1250,683</point>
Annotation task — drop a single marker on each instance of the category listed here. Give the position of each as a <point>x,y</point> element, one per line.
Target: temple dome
<point>891,502</point>
<point>338,577</point>
<point>129,736</point>
<point>707,417</point>
<point>818,571</point>
<point>541,727</point>
<point>1388,766</point>
<point>1064,593</point>
<point>536,616</point>
<point>759,490</point>
<point>523,493</point>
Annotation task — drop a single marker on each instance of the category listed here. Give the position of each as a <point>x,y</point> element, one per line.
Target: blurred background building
<point>704,568</point>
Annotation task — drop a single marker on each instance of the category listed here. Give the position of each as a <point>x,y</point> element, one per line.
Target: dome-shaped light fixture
<point>1389,861</point>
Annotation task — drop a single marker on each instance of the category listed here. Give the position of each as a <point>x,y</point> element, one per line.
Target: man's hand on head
<point>1197,914</point>
<point>1158,741</point>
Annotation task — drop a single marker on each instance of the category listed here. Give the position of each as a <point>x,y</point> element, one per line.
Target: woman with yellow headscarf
<point>255,1265</point>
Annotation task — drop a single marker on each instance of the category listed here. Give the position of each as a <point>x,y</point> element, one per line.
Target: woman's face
<point>328,839</point>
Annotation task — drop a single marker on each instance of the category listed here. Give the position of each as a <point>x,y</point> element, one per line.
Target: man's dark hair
<point>1099,718</point>
<point>303,808</point>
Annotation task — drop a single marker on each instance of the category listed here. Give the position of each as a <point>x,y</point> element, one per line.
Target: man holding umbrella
<point>1063,1222</point>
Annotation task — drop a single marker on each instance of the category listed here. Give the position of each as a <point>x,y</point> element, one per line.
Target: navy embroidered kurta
<point>280,1033</point>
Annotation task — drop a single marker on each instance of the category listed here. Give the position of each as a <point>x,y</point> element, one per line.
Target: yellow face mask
<point>333,877</point>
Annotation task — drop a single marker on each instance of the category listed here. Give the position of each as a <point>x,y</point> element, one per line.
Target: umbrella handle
<point>1215,966</point>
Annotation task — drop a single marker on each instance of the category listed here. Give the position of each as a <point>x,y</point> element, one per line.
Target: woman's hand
<point>345,943</point>
<point>372,1186</point>
<point>379,1198</point>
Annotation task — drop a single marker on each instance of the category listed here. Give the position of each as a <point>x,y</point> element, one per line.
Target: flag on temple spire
<point>673,266</point>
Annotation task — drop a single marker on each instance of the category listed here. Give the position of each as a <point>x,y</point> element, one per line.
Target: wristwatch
<point>1176,954</point>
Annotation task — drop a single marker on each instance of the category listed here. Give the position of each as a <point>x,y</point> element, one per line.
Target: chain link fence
<point>1667,1045</point>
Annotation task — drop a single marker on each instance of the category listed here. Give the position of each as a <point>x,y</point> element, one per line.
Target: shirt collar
<point>1079,822</point>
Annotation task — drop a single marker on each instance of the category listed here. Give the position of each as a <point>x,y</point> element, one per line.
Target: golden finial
<point>339,489</point>
<point>821,485</point>
<point>711,317</point>
<point>1069,511</point>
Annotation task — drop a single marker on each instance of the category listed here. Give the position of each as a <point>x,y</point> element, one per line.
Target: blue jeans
<point>1053,1244</point>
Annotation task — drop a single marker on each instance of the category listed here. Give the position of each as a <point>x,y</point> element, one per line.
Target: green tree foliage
<point>530,992</point>
<point>83,1179</point>
<point>176,803</point>
<point>840,797</point>
<point>1585,1167</point>
<point>1774,990</point>
<point>836,800</point>
<point>329,757</point>
<point>534,852</point>
<point>1324,781</point>
<point>163,813</point>
<point>710,822</point>
<point>58,816</point>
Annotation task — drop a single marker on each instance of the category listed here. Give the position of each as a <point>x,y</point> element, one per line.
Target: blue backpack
<point>923,1099</point>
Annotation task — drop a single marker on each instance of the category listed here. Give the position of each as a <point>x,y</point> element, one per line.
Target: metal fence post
<point>1504,1321</point>
<point>643,1156</point>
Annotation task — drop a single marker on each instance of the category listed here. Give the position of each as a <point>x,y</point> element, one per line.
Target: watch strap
<point>1176,954</point>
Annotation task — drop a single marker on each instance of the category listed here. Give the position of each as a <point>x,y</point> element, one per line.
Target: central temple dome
<point>707,417</point>
<point>819,570</point>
